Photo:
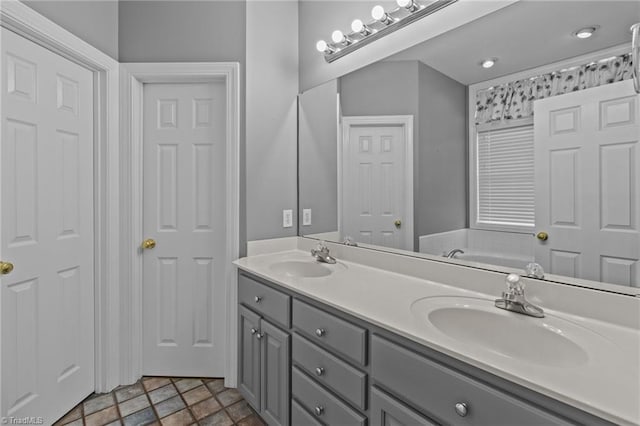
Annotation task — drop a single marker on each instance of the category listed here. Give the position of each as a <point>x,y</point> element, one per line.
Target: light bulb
<point>321,45</point>
<point>488,63</point>
<point>337,36</point>
<point>404,3</point>
<point>377,13</point>
<point>410,5</point>
<point>357,26</point>
<point>585,32</point>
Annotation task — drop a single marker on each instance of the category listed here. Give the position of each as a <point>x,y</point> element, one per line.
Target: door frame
<point>405,121</point>
<point>134,76</point>
<point>21,19</point>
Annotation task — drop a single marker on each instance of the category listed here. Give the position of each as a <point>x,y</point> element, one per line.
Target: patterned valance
<point>514,100</point>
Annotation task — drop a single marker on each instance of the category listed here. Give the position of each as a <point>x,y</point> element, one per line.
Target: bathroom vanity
<point>348,344</point>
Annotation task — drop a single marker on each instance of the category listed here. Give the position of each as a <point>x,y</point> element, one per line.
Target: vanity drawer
<point>336,374</point>
<point>264,299</point>
<point>437,389</point>
<point>326,329</point>
<point>300,416</point>
<point>386,411</point>
<point>312,396</point>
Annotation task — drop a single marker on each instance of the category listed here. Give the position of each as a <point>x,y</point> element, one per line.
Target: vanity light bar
<point>363,34</point>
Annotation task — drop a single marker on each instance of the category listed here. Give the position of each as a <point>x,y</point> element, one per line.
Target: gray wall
<point>318,173</point>
<point>438,105</point>
<point>441,201</point>
<point>95,21</point>
<point>272,87</point>
<point>182,31</point>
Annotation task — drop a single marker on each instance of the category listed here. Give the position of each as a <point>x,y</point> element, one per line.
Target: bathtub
<point>508,260</point>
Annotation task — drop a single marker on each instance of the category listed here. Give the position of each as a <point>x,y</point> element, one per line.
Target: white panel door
<point>373,180</point>
<point>184,212</point>
<point>588,183</point>
<point>46,232</point>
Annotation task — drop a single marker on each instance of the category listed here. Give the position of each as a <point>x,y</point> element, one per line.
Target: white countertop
<point>607,385</point>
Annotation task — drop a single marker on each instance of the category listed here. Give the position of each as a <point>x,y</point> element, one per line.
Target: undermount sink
<point>549,341</point>
<point>303,269</point>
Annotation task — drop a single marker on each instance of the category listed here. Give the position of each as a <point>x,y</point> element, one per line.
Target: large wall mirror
<point>508,141</point>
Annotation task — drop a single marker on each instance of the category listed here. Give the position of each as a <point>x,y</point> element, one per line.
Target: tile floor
<point>165,401</point>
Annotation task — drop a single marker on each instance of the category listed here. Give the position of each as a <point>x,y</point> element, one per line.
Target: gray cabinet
<point>387,411</point>
<point>264,358</point>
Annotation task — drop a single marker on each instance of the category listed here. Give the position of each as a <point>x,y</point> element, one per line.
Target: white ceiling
<point>525,35</point>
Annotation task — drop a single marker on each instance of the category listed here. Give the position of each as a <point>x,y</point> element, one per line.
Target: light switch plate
<point>306,217</point>
<point>287,218</point>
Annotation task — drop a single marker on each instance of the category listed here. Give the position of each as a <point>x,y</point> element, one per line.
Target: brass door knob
<point>398,223</point>
<point>6,268</point>
<point>149,243</point>
<point>543,236</point>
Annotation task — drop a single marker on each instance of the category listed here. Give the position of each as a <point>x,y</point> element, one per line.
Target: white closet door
<point>588,183</point>
<point>373,180</point>
<point>46,206</point>
<point>184,212</point>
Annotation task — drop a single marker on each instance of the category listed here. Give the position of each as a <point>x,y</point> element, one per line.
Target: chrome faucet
<point>513,299</point>
<point>452,253</point>
<point>321,253</point>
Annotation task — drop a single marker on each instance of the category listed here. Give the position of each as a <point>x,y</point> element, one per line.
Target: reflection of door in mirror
<point>587,161</point>
<point>376,180</point>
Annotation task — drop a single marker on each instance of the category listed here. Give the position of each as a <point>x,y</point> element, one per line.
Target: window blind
<point>505,177</point>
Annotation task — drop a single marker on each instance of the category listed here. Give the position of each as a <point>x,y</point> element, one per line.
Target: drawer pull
<point>259,336</point>
<point>319,371</point>
<point>254,331</point>
<point>320,332</point>
<point>319,410</point>
<point>258,299</point>
<point>461,409</point>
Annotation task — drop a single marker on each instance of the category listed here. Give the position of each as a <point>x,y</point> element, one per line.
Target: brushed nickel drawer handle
<point>258,299</point>
<point>462,409</point>
<point>319,410</point>
<point>319,371</point>
<point>259,336</point>
<point>254,331</point>
<point>320,332</point>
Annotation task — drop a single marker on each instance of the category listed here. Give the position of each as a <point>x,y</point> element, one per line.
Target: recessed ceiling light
<point>585,32</point>
<point>488,63</point>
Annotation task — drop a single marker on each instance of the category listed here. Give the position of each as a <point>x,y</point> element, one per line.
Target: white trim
<point>405,121</point>
<point>23,20</point>
<point>473,131</point>
<point>134,76</point>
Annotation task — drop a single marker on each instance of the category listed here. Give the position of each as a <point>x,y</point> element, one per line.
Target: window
<point>505,178</point>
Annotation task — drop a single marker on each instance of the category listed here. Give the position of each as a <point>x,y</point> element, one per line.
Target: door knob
<point>398,223</point>
<point>149,243</point>
<point>6,268</point>
<point>543,236</point>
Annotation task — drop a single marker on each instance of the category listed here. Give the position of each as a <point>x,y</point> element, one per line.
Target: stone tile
<point>72,415</point>
<point>205,408</point>
<point>181,418</point>
<point>253,420</point>
<point>162,393</point>
<point>102,417</point>
<point>187,384</point>
<point>73,423</point>
<point>116,423</point>
<point>151,383</point>
<point>169,406</point>
<point>229,396</point>
<point>132,405</point>
<point>239,410</point>
<point>196,395</point>
<point>216,385</point>
<point>97,403</point>
<point>141,418</point>
<point>128,392</point>
<point>219,419</point>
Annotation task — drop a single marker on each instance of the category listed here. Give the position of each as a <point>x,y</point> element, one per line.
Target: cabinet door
<point>276,351</point>
<point>386,411</point>
<point>249,356</point>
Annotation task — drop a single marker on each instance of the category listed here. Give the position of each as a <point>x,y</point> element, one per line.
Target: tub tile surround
<point>380,287</point>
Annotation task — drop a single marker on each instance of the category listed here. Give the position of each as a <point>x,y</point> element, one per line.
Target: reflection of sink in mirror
<point>431,143</point>
<point>549,341</point>
<point>305,269</point>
